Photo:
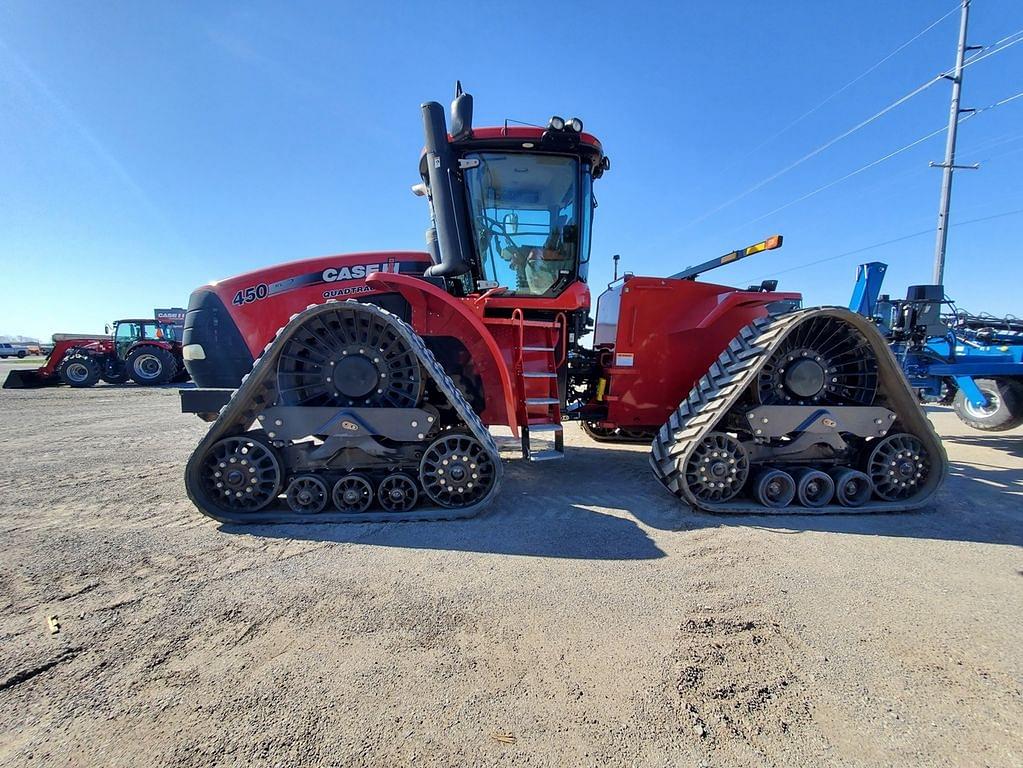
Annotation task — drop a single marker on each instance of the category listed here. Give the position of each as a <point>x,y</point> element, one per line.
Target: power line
<point>996,48</point>
<point>818,150</point>
<point>849,175</point>
<point>848,85</point>
<point>854,129</point>
<point>922,232</point>
<point>878,161</point>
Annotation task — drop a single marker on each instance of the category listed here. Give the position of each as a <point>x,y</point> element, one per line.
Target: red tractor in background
<point>141,350</point>
<point>363,387</point>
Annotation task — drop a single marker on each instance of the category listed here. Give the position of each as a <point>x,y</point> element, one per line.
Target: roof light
<point>575,124</point>
<point>556,123</point>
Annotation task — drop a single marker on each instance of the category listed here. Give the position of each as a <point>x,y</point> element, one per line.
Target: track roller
<point>352,493</point>
<point>774,488</point>
<point>307,494</point>
<point>813,487</point>
<point>852,488</point>
<point>397,493</point>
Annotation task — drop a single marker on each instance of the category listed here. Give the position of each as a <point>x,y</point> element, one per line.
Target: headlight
<point>556,123</point>
<point>575,124</point>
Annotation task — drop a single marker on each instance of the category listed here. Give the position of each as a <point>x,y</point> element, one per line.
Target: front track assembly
<point>346,417</point>
<point>807,408</point>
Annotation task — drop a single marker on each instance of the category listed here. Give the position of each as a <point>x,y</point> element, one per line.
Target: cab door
<point>125,335</point>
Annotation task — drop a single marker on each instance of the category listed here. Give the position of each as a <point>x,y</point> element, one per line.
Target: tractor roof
<point>527,139</point>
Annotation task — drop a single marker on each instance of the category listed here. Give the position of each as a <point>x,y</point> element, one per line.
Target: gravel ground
<point>585,619</point>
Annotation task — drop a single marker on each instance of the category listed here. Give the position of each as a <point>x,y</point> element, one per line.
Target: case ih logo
<point>175,316</point>
<point>357,271</point>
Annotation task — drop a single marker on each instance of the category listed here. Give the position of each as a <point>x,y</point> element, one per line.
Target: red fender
<point>437,313</point>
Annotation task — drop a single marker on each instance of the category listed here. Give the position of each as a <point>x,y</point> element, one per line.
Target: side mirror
<point>511,223</point>
<point>106,329</point>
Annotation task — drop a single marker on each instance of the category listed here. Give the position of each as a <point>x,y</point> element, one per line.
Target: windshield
<point>525,218</point>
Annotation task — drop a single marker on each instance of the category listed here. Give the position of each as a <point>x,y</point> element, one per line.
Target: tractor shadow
<point>566,509</point>
<point>603,503</point>
<point>1011,445</point>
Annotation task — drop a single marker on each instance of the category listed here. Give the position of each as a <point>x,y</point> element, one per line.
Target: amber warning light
<point>774,241</point>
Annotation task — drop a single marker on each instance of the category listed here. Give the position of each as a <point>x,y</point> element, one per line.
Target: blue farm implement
<point>950,357</point>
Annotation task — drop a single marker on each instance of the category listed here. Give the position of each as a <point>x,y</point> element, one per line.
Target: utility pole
<point>950,147</point>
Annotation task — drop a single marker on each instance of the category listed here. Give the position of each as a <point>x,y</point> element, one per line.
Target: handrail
<point>518,317</point>
<point>562,320</point>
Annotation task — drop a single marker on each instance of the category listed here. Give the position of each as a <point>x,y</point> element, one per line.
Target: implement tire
<point>149,366</point>
<point>1005,409</point>
<point>79,369</point>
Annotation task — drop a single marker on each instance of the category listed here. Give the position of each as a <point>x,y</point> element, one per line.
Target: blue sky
<point>147,148</point>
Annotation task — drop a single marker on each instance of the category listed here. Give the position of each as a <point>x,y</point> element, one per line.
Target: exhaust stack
<point>448,238</point>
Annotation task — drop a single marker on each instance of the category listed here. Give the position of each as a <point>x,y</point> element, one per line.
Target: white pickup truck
<point>8,350</point>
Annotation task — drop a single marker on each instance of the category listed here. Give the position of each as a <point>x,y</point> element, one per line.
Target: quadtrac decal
<point>342,274</point>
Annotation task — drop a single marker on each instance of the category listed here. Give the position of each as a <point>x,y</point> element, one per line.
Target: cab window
<point>127,332</point>
<point>154,332</point>
<point>525,220</point>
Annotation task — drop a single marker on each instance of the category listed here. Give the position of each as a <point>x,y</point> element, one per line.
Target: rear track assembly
<point>806,408</point>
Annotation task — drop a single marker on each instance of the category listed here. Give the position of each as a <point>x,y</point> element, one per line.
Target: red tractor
<point>145,351</point>
<point>363,387</point>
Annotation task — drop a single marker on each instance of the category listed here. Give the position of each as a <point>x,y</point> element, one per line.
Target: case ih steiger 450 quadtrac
<point>362,387</point>
<point>144,351</point>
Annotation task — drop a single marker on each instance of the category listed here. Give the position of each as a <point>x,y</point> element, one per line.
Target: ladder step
<point>542,401</point>
<point>538,349</point>
<point>546,455</point>
<point>539,428</point>
<point>538,375</point>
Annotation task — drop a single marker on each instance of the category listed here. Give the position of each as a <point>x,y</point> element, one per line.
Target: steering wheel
<point>495,227</point>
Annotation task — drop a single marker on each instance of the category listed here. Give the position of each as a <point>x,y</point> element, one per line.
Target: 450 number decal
<point>251,294</point>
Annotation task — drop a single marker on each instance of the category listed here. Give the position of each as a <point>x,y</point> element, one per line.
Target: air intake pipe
<point>447,197</point>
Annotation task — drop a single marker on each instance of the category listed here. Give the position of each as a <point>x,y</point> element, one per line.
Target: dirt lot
<point>585,619</point>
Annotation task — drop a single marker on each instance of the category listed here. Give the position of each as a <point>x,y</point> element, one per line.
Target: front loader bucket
<point>807,411</point>
<point>26,378</point>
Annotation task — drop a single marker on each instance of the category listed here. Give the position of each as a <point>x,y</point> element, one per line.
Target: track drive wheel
<point>1003,411</point>
<point>79,369</point>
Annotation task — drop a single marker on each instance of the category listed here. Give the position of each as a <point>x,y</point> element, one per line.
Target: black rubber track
<point>258,391</point>
<point>736,370</point>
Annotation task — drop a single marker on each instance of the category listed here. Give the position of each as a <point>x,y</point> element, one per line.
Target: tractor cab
<point>511,207</point>
<point>128,333</point>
